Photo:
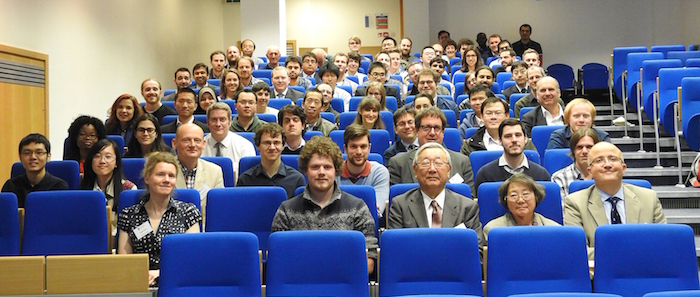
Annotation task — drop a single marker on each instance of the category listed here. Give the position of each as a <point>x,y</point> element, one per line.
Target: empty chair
<point>489,208</point>
<point>565,294</point>
<point>523,111</point>
<point>168,138</point>
<point>262,73</point>
<point>209,264</point>
<point>132,169</point>
<point>556,159</point>
<point>650,73</point>
<point>578,185</point>
<point>620,66</point>
<point>564,74</point>
<point>683,55</point>
<point>692,62</point>
<point>503,77</point>
<point>669,81</point>
<point>507,84</point>
<point>452,140</point>
<point>514,98</point>
<point>470,132</point>
<point>634,66</point>
<point>119,140</point>
<point>540,137</point>
<point>65,223</point>
<point>339,270</point>
<point>310,134</point>
<point>631,260</point>
<point>407,269</point>
<point>9,225</point>
<point>279,103</point>
<point>537,260</point>
<point>67,170</point>
<point>690,109</point>
<point>226,165</point>
<point>664,49</point>
<point>685,293</point>
<point>594,77</point>
<point>267,118</point>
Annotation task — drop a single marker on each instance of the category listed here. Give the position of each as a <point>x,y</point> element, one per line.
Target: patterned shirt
<point>564,177</point>
<point>189,176</point>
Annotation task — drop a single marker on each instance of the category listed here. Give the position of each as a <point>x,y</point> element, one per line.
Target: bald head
<point>273,55</point>
<point>604,147</point>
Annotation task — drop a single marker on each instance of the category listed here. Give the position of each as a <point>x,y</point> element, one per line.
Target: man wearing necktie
<point>609,201</point>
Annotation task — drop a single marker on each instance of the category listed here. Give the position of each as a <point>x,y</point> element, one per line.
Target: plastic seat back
<point>690,110</point>
<point>540,137</point>
<point>578,185</point>
<point>683,55</point>
<point>665,49</point>
<point>564,74</point>
<point>634,66</point>
<point>595,76</point>
<point>620,65</point>
<point>226,165</point>
<point>9,225</point>
<point>650,71</point>
<point>556,159</point>
<point>452,140</point>
<point>67,170</point>
<point>669,81</point>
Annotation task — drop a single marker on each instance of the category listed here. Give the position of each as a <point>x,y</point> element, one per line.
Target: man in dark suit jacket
<point>185,105</point>
<point>404,119</point>
<point>280,83</point>
<point>550,112</point>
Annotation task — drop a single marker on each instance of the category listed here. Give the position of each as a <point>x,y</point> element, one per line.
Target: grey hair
<point>432,145</point>
<point>219,105</point>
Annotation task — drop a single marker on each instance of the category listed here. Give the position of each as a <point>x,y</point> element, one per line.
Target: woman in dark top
<point>124,112</point>
<point>146,138</point>
<point>143,226</point>
<point>207,97</point>
<point>83,133</point>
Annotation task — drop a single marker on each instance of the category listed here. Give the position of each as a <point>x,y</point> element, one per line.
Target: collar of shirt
<point>503,163</point>
<point>620,204</point>
<point>301,144</point>
<point>186,172</point>
<point>260,171</point>
<point>523,89</point>
<point>490,143</point>
<point>365,172</point>
<point>336,195</point>
<point>282,94</point>
<point>190,121</point>
<point>552,121</point>
<point>440,199</point>
<point>142,203</point>
<point>407,145</point>
<point>479,121</point>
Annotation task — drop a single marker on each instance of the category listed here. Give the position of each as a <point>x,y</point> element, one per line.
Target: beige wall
<point>232,23</point>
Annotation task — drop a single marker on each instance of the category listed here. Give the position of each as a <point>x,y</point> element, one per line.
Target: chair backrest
<point>451,118</point>
<point>209,264</point>
<point>119,140</point>
<point>251,137</point>
<point>310,134</point>
<point>496,88</point>
<point>620,65</point>
<point>664,49</point>
<point>578,185</point>
<point>367,194</point>
<point>503,77</point>
<point>669,81</point>
<point>226,165</point>
<point>458,101</point>
<point>406,268</point>
<point>514,98</point>
<point>540,137</point>
<point>594,76</point>
<point>470,132</point>
<point>457,77</point>
<point>690,110</point>
<point>563,73</point>
<point>67,170</point>
<point>340,270</point>
<point>9,225</point>
<point>214,82</point>
<point>650,71</point>
<point>635,259</point>
<point>262,73</point>
<point>489,208</point>
<point>246,163</point>
<point>51,226</point>
<point>692,62</point>
<point>524,110</point>
<point>634,64</point>
<point>556,159</point>
<point>168,139</point>
<point>171,118</point>
<point>683,55</point>
<point>459,90</point>
<point>267,118</point>
<point>481,158</point>
<point>452,140</point>
<point>507,84</point>
<point>132,168</point>
<point>556,260</point>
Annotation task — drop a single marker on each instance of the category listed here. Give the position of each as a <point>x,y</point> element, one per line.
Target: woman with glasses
<point>83,133</point>
<point>471,60</point>
<point>519,195</point>
<point>377,91</point>
<point>146,138</point>
<point>124,112</point>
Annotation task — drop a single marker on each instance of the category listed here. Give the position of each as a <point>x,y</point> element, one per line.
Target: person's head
<point>206,97</point>
<point>183,79</point>
<point>273,55</point>
<point>512,136</point>
<point>423,100</point>
<point>548,92</point>
<point>520,195</point>
<point>504,45</point>
<point>262,91</point>
<point>437,64</point>
<point>376,90</point>
<point>160,173</point>
<point>413,70</point>
<point>388,43</point>
<point>534,74</point>
<point>428,81</point>
<point>427,54</point>
<point>230,83</point>
<point>579,113</point>
<point>292,119</point>
<point>83,133</point>
<point>507,57</point>
<point>471,59</point>
<point>146,132</point>
<point>395,58</point>
<point>200,71</point>
<point>525,31</point>
<point>580,145</point>
<point>329,74</point>
<point>431,167</point>
<point>247,47</point>
<point>606,165</point>
<point>34,152</point>
<point>185,103</point>
<point>450,48</point>
<point>485,76</point>
<point>219,120</point>
<point>354,44</point>
<point>443,36</point>
<point>384,58</point>
<point>327,92</point>
<point>494,40</point>
<point>341,60</point>
<point>320,56</point>
<point>233,54</point>
<point>430,125</point>
<point>531,57</point>
<point>245,67</point>
<point>269,140</point>
<point>151,91</point>
<point>188,142</point>
<point>494,111</point>
<point>313,102</point>
<point>125,110</point>
<point>320,160</point>
<point>293,64</point>
<point>368,113</point>
<point>477,95</point>
<point>481,38</point>
<point>103,160</point>
<point>357,144</point>
<point>309,63</point>
<point>469,81</point>
<point>405,124</point>
<point>377,72</point>
<point>406,46</point>
<point>246,103</point>
<point>217,59</point>
<point>519,72</point>
<point>354,60</point>
<point>463,44</point>
<point>438,49</point>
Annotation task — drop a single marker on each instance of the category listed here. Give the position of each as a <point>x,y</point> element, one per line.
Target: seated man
<point>323,206</point>
<point>34,152</point>
<point>378,72</point>
<point>550,112</point>
<point>329,74</point>
<point>504,45</point>
<point>246,120</point>
<point>531,57</point>
<point>405,129</point>
<point>437,64</point>
<point>271,171</point>
<point>495,111</point>
<point>221,142</point>
<point>519,71</point>
<point>506,61</point>
<point>293,120</point>
<point>426,55</point>
<point>245,69</point>
<point>217,59</point>
<point>247,50</point>
<point>357,170</point>
<point>579,113</point>
<point>395,65</point>
<point>151,92</point>
<point>273,57</point>
<point>477,95</point>
<point>327,92</point>
<point>313,104</point>
<point>280,83</point>
<point>413,70</point>
<point>182,80</point>
<point>534,74</point>
<point>609,201</point>
<point>581,143</point>
<point>200,73</point>
<point>513,159</point>
<point>185,105</point>
<point>309,67</point>
<point>430,127</point>
<point>341,60</point>
<point>232,55</point>
<point>428,83</point>
<point>293,64</point>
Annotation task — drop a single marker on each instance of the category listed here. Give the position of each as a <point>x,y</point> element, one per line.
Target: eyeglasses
<point>271,143</point>
<point>146,130</point>
<point>427,129</point>
<point>491,113</point>
<point>404,124</point>
<point>601,160</point>
<point>377,74</point>
<point>107,158</point>
<point>425,164</point>
<point>513,197</point>
<point>87,136</point>
<point>37,153</point>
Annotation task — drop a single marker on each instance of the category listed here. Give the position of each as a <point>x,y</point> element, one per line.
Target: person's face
<point>357,150</point>
<point>405,127</point>
<point>388,45</point>
<point>327,92</point>
<point>270,147</point>
<point>280,80</point>
<point>369,116</point>
<point>413,72</point>
<point>354,46</point>
<point>217,62</point>
<point>312,104</point>
<point>185,105</point>
<point>493,44</point>
<point>484,77</point>
<point>292,125</point>
<point>395,60</point>
<point>606,163</point>
<point>87,137</point>
<point>532,59</point>
<point>104,162</point>
<point>533,77</point>
<point>146,132</point>
<point>263,99</point>
<point>493,115</point>
<point>428,54</point>
<point>463,48</point>
<point>430,130</point>
<point>247,48</point>
<point>438,50</point>
<point>309,65</point>
<point>245,68</point>
<point>151,92</point>
<point>374,93</point>
<point>426,84</point>
<point>162,179</point>
<point>443,38</point>
<point>200,76</point>
<point>329,78</point>
<point>218,122</point>
<point>471,58</point>
<point>583,147</point>
<point>475,101</point>
<point>377,74</point>
<point>233,54</point>
<point>125,110</point>
<point>450,51</point>
<point>341,62</point>
<point>34,157</point>
<point>506,59</point>
<point>580,117</point>
<point>517,205</point>
<point>471,80</point>
<point>420,103</point>
<point>182,79</point>
<point>432,170</point>
<point>231,82</point>
<point>321,173</point>
<point>525,33</point>
<point>273,56</point>
<point>547,92</point>
<point>503,46</point>
<point>437,67</point>
<point>406,47</point>
<point>245,105</point>
<point>513,140</point>
<point>385,59</point>
<point>520,76</point>
<point>189,142</point>
<point>353,66</point>
<point>294,69</point>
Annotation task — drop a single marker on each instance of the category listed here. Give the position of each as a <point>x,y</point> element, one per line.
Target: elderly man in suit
<point>280,83</point>
<point>550,112</point>
<point>609,201</point>
<point>432,205</point>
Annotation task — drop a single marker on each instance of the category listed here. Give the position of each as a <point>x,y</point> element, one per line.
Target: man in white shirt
<point>550,112</point>
<point>280,83</point>
<point>221,142</point>
<point>341,60</point>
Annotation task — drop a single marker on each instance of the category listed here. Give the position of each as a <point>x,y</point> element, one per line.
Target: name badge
<point>456,179</point>
<point>143,230</point>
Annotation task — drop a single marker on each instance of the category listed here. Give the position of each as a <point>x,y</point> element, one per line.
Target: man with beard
<point>182,80</point>
<point>200,71</point>
<point>405,48</point>
<point>232,54</point>
<point>217,60</point>
<point>293,64</point>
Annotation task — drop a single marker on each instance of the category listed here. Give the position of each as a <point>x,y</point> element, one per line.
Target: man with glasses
<point>378,72</point>
<point>430,126</point>
<point>221,142</point>
<point>494,111</point>
<point>534,74</point>
<point>608,201</point>
<point>428,83</point>
<point>519,71</point>
<point>34,152</point>
<point>405,129</point>
<point>313,104</point>
<point>246,120</point>
<point>413,70</point>
<point>477,96</point>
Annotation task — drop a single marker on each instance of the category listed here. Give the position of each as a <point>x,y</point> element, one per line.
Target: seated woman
<point>520,195</point>
<point>368,114</point>
<point>124,112</point>
<point>82,135</point>
<point>262,90</point>
<point>207,97</point>
<point>146,138</point>
<point>104,173</point>
<point>143,226</point>
<point>230,84</point>
<point>579,113</point>
<point>376,90</point>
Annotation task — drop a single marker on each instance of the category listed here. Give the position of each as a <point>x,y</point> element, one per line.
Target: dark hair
<point>133,149</point>
<point>438,60</point>
<point>113,125</point>
<point>242,42</point>
<point>355,131</point>
<point>481,88</point>
<point>187,91</point>
<point>370,103</point>
<point>493,100</point>
<point>493,75</point>
<point>89,177</point>
<point>293,110</point>
<point>352,56</point>
<point>183,69</point>
<point>261,86</point>
<point>526,25</point>
<point>576,137</point>
<point>518,64</point>
<point>452,43</point>
<point>235,98</point>
<point>464,41</point>
<point>431,111</point>
<point>443,31</point>
<point>523,179</point>
<point>508,122</point>
<point>200,65</point>
<point>423,95</point>
<point>424,48</point>
<point>328,67</point>
<point>479,61</point>
<point>73,151</point>
<point>306,55</point>
<point>272,129</point>
<point>35,138</point>
<point>376,65</point>
<point>403,111</point>
<point>293,59</point>
<point>211,57</point>
<point>223,81</point>
<point>314,90</point>
<point>390,38</point>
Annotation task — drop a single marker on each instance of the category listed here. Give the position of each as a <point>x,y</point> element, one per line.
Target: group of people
<point>417,155</point>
